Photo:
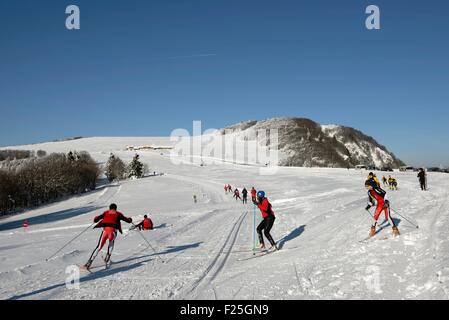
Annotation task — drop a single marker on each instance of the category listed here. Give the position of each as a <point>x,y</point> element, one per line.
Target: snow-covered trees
<point>34,181</point>
<point>115,168</point>
<point>135,168</point>
<point>19,154</point>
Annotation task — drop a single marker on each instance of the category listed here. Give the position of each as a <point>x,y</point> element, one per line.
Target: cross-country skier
<point>376,196</point>
<point>110,222</point>
<point>373,177</point>
<point>268,220</point>
<point>145,224</point>
<point>385,181</point>
<point>253,194</point>
<point>229,188</point>
<point>422,179</point>
<point>245,195</point>
<point>237,194</point>
<point>226,188</point>
<point>393,183</point>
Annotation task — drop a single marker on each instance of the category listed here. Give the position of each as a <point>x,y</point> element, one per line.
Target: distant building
<point>148,147</point>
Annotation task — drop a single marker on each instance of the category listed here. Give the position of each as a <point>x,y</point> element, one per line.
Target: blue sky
<point>144,68</point>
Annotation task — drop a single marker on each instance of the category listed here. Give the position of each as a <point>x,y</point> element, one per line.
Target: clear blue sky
<point>144,68</point>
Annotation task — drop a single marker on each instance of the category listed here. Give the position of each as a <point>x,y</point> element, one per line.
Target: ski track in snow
<point>200,249</point>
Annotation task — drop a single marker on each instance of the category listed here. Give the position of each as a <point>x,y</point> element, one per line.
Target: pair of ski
<point>107,265</point>
<point>257,253</point>
<point>373,238</point>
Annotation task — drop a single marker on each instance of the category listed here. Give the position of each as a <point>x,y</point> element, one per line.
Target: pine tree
<point>135,169</point>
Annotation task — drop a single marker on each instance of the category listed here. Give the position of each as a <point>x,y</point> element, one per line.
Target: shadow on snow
<point>49,217</point>
<point>292,235</point>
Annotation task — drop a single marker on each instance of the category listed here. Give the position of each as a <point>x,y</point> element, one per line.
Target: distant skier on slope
<point>226,188</point>
<point>385,181</point>
<point>245,195</point>
<point>422,179</point>
<point>268,220</point>
<point>393,183</point>
<point>110,222</point>
<point>376,196</point>
<point>237,194</point>
<point>253,194</point>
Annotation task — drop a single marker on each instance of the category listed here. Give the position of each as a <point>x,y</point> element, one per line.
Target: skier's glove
<point>368,207</point>
<point>255,202</point>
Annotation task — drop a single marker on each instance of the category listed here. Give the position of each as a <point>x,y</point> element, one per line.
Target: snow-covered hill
<point>203,249</point>
<point>303,142</point>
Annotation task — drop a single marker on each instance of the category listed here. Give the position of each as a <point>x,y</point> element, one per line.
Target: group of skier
<point>390,182</point>
<point>110,220</point>
<point>260,200</point>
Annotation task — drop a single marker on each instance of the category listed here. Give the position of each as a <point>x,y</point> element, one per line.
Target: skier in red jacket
<point>268,220</point>
<point>237,194</point>
<point>376,196</point>
<point>110,222</point>
<point>253,194</point>
<point>145,224</point>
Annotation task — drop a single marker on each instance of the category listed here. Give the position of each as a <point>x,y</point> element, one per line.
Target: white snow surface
<point>202,248</point>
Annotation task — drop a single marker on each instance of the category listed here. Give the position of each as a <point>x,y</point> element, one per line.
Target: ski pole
<point>70,242</point>
<point>369,212</point>
<point>415,225</point>
<point>254,230</point>
<point>147,242</point>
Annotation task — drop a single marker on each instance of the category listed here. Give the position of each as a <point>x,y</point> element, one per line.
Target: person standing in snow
<point>422,179</point>
<point>245,195</point>
<point>110,222</point>
<point>268,220</point>
<point>253,194</point>
<point>376,196</point>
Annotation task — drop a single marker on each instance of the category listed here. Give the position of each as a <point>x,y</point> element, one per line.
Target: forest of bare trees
<point>19,154</point>
<point>35,180</point>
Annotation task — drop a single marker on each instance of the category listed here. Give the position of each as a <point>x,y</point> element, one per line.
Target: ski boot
<point>372,231</point>
<point>395,231</point>
<point>107,260</point>
<point>87,265</point>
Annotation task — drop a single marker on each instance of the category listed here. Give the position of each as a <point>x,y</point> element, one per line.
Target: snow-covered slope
<point>203,249</point>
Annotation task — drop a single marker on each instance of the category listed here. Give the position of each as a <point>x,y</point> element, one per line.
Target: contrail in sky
<point>187,57</point>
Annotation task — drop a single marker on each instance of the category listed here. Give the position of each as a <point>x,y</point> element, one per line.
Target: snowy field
<point>202,250</point>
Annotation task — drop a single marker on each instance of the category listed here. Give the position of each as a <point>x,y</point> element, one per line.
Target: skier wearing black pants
<point>422,179</point>
<point>268,220</point>
<point>245,195</point>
